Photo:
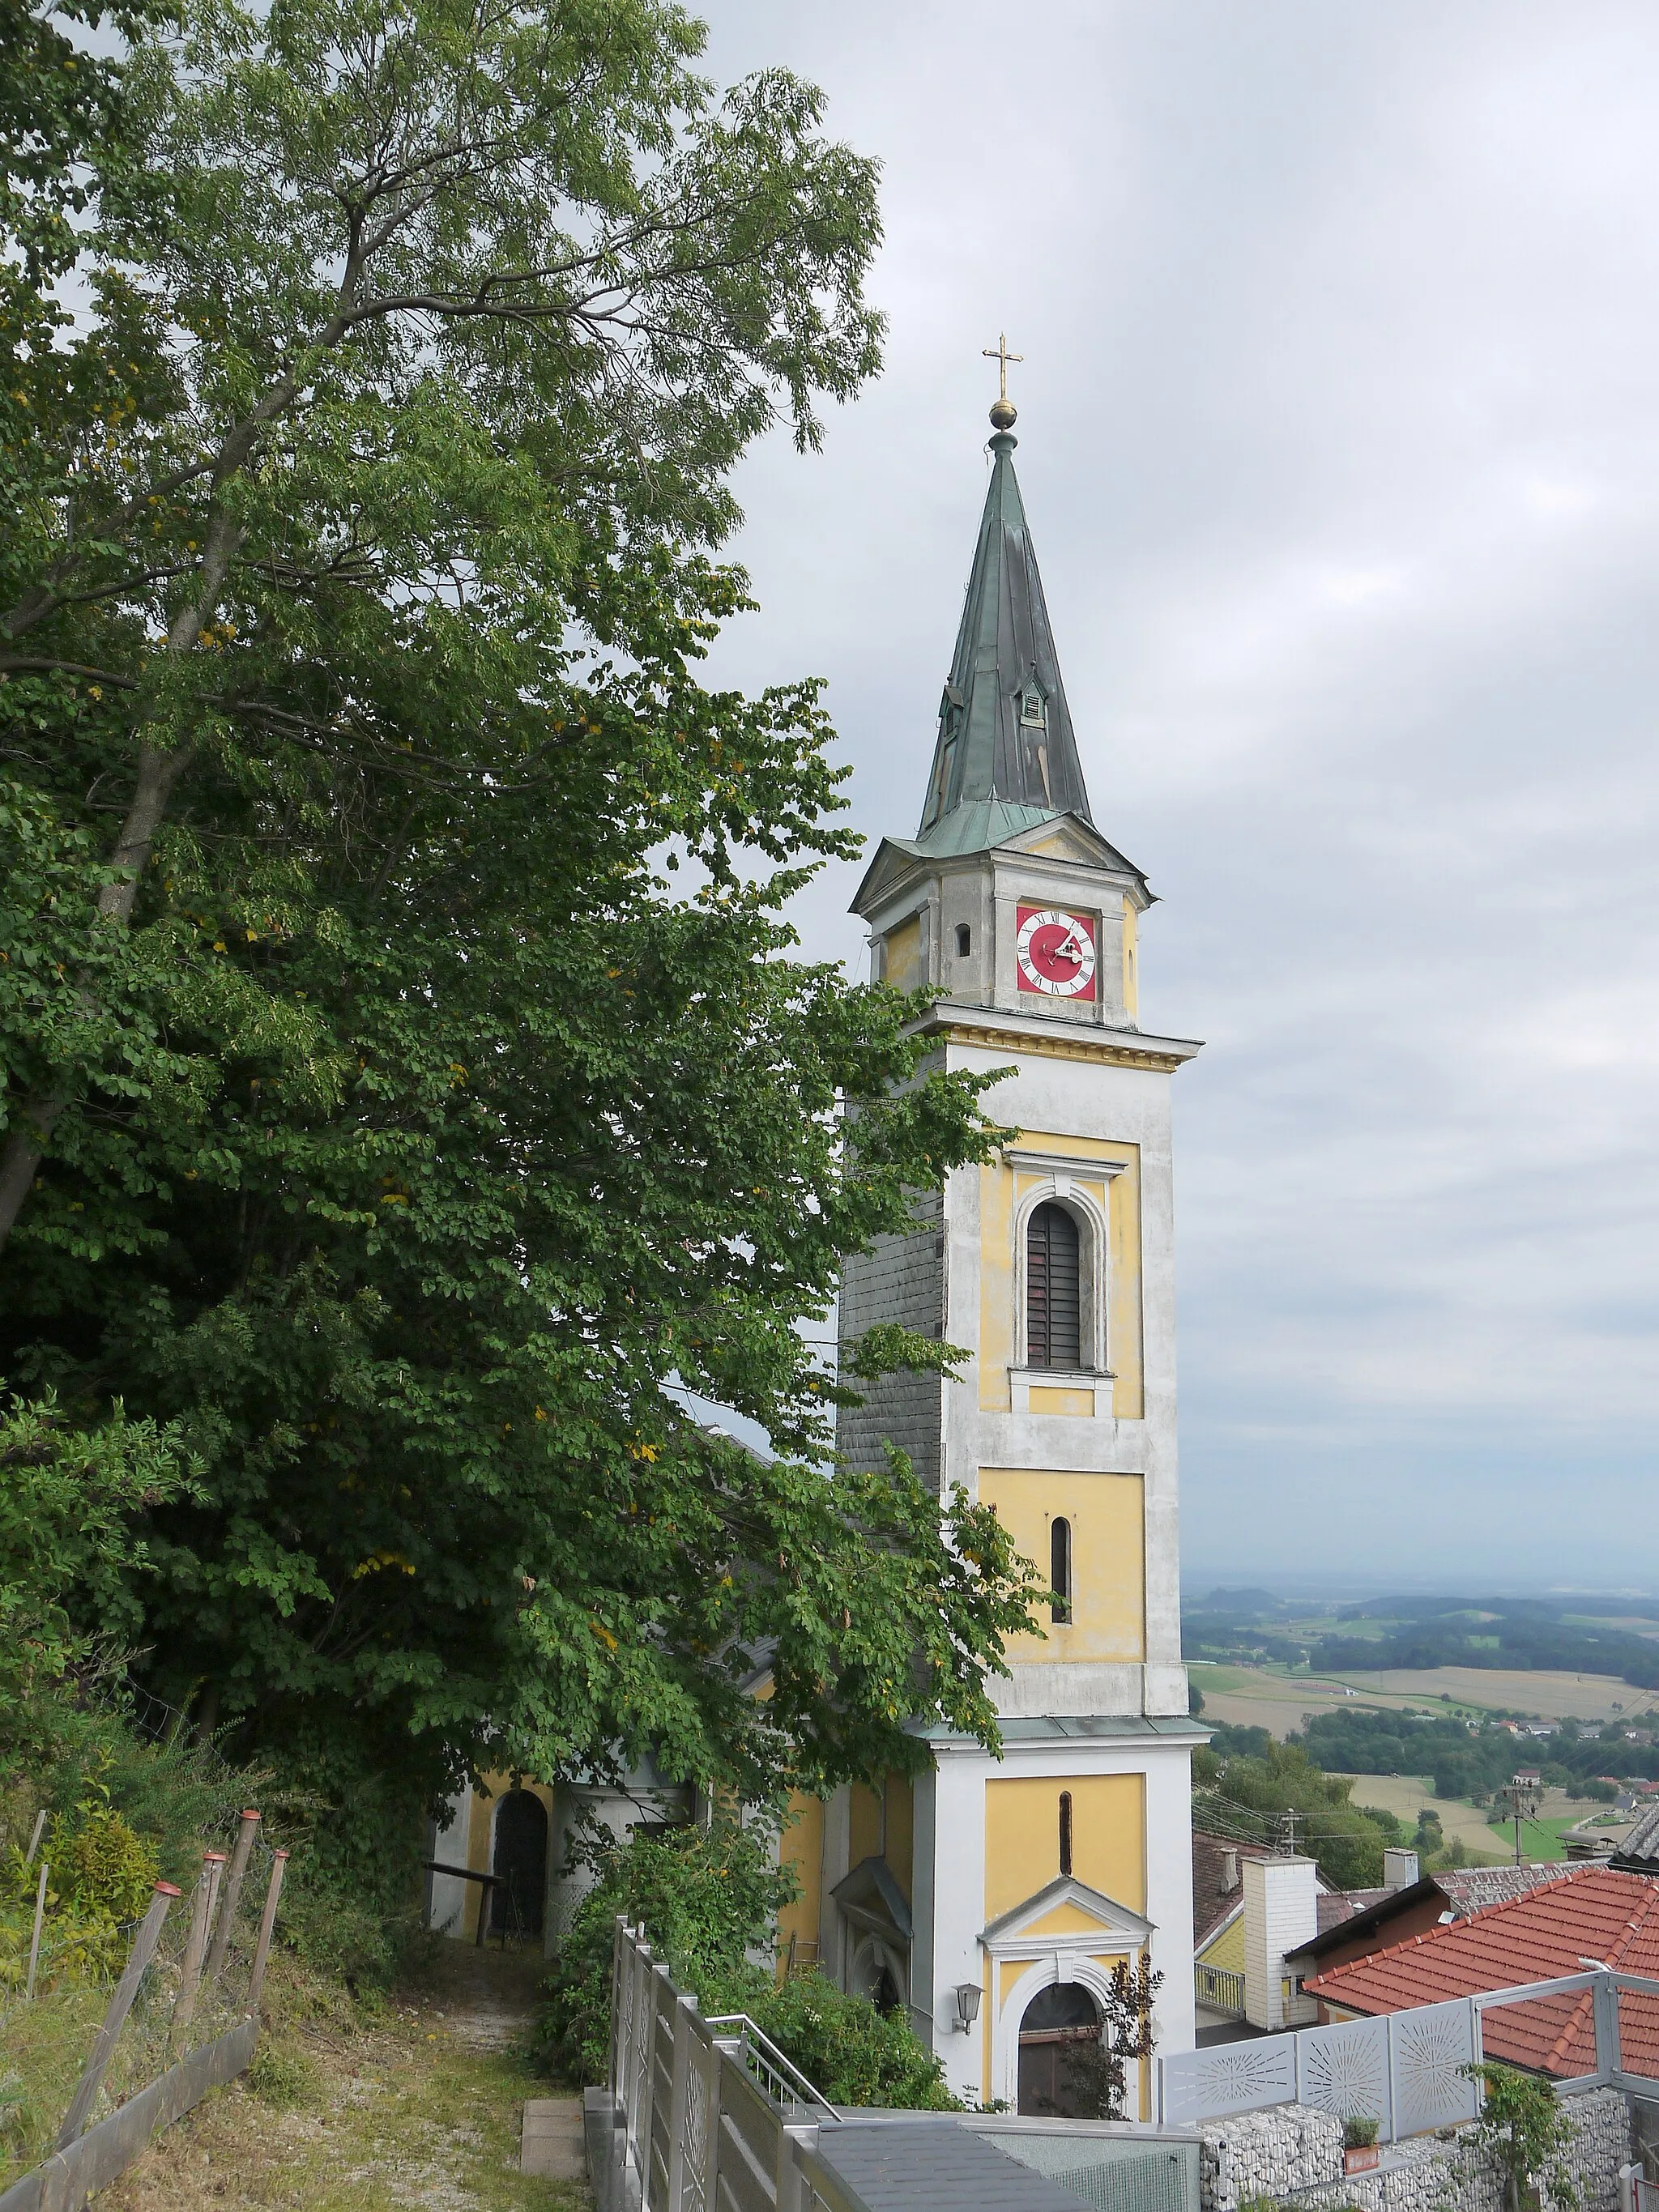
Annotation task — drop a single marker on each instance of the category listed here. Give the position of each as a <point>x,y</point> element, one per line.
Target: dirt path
<point>417,2105</point>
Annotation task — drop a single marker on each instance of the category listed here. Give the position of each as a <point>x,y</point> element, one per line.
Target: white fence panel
<point>1428,2049</point>
<point>1229,2077</point>
<point>1344,2069</point>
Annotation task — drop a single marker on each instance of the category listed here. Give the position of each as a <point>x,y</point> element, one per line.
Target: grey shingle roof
<point>895,2165</point>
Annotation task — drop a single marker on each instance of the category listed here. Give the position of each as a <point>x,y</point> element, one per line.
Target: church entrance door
<point>520,1860</point>
<point>1057,2022</point>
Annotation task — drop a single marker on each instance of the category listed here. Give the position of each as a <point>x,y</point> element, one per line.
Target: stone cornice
<point>1161,1055</point>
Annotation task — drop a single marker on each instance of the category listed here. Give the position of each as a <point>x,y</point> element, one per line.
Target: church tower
<point>995,1897</point>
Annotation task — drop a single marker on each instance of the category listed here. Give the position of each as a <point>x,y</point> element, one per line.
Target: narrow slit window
<point>1059,1571</point>
<point>1065,1832</point>
<point>964,941</point>
<point>1053,1315</point>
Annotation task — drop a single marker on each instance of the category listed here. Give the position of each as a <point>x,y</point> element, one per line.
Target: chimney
<point>1229,1870</point>
<point>1400,1868</point>
<point>1281,1911</point>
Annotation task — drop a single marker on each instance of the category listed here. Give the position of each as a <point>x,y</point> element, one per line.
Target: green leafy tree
<point>1273,1780</point>
<point>1524,2131</point>
<point>70,1500</point>
<point>379,1110</point>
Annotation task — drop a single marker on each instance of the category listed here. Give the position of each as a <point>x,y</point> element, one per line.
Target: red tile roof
<point>1590,1913</point>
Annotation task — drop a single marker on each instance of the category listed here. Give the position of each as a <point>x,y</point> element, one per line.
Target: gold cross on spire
<point>1000,354</point>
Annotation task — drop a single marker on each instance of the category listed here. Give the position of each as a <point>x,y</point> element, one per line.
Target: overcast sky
<point>1340,439</point>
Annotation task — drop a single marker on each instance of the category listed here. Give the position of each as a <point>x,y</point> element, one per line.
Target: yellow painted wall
<point>1123,1322</point>
<point>901,1832</point>
<point>1225,1948</point>
<point>1119,1198</point>
<point>1043,1398</point>
<point>1021,1838</point>
<point>1109,1557</point>
<point>802,1847</point>
<point>904,969</point>
<point>864,1825</point>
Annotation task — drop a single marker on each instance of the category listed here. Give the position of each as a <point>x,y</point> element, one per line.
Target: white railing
<point>1406,2070</point>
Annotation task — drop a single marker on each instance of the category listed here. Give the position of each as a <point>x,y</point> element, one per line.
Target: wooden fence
<point>195,1983</point>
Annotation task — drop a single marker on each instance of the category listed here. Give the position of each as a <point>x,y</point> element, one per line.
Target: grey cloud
<point>1340,446</point>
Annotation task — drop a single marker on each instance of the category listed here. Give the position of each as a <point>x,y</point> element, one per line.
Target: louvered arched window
<point>1054,1310</point>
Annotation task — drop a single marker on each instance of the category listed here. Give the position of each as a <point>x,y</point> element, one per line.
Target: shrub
<point>708,1899</point>
<point>1360,2134</point>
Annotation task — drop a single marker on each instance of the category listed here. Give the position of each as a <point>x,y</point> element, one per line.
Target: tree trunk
<point>26,1145</point>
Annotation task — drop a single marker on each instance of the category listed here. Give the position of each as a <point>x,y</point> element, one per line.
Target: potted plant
<point>1359,2152</point>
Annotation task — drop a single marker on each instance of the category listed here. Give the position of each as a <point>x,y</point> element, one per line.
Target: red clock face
<point>1054,952</point>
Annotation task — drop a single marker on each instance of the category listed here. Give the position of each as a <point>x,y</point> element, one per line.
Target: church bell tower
<point>996,1899</point>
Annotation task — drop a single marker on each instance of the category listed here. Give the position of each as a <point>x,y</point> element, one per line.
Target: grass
<point>352,2111</point>
<point>44,2046</point>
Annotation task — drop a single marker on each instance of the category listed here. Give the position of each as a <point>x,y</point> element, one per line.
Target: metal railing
<point>774,2071</point>
<point>1406,2069</point>
<point>710,2115</point>
<point>1220,1989</point>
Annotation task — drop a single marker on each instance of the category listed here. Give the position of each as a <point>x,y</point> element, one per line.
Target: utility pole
<point>1521,1802</point>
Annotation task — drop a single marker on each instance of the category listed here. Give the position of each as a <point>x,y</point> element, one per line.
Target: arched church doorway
<point>520,1860</point>
<point>1057,2022</point>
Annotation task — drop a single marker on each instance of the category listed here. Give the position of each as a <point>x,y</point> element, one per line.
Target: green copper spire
<point>1007,756</point>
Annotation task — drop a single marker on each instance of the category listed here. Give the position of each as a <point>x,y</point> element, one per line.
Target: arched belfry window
<point>1060,1570</point>
<point>1053,1304</point>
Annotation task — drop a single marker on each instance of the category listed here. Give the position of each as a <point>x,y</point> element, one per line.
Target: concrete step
<point>551,2144</point>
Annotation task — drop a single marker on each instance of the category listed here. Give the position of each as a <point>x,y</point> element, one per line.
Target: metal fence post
<point>791,2181</point>
<point>143,1949</point>
<point>622,1999</point>
<point>679,2077</point>
<point>232,1895</point>
<point>1608,2058</point>
<point>190,1975</point>
<point>256,1980</point>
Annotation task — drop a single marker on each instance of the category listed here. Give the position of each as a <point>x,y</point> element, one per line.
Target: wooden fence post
<point>143,1949</point>
<point>34,1940</point>
<point>221,1934</point>
<point>255,1980</point>
<point>190,1977</point>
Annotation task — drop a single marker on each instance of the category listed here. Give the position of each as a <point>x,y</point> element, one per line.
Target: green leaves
<point>412,1088</point>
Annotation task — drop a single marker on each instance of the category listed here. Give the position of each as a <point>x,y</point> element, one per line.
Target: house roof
<point>1371,1911</point>
<point>1591,1913</point>
<point>1214,1902</point>
<point>1642,1844</point>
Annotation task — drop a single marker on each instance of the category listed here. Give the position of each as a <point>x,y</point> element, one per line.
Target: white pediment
<point>1066,1915</point>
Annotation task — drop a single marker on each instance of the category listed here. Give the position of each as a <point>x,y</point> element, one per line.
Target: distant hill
<point>1535,1634</point>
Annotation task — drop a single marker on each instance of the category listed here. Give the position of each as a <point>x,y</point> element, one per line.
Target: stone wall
<point>1294,2154</point>
<point>899,1282</point>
